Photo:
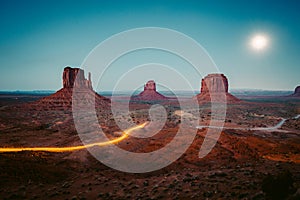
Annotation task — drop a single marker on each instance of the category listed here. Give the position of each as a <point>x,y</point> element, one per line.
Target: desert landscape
<point>148,100</point>
<point>256,157</point>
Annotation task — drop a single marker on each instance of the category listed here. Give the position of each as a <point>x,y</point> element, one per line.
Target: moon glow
<point>259,42</point>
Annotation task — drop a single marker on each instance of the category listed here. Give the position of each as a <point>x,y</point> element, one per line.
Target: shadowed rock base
<point>296,93</point>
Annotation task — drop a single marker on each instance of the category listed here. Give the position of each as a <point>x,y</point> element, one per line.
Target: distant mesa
<point>150,93</point>
<point>297,92</point>
<point>213,86</point>
<point>63,98</point>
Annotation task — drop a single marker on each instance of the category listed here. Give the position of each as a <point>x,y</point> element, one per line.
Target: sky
<point>39,38</point>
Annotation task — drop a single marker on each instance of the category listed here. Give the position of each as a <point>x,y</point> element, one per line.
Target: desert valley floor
<point>247,162</point>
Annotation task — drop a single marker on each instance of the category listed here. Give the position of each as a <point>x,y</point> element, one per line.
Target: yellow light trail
<point>74,148</point>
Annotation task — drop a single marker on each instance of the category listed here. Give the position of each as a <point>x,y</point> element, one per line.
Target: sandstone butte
<point>150,93</point>
<point>62,99</point>
<point>214,88</point>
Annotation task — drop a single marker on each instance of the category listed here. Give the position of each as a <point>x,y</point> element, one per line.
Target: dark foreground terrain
<point>245,164</point>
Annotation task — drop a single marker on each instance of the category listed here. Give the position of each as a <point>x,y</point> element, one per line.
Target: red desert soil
<point>234,169</point>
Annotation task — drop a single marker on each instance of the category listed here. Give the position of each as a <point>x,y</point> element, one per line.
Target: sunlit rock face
<point>214,83</point>
<point>214,88</point>
<point>150,93</point>
<point>70,81</point>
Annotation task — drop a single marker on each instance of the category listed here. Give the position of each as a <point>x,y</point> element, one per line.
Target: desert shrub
<point>278,186</point>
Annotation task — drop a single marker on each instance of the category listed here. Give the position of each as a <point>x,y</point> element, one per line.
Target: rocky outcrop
<point>214,83</point>
<point>150,93</point>
<point>150,86</point>
<point>62,99</point>
<point>297,92</point>
<point>214,87</point>
<point>70,80</point>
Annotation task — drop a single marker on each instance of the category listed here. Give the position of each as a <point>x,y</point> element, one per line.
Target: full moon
<point>259,42</point>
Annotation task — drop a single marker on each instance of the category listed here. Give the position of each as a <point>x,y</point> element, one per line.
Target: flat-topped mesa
<point>70,80</point>
<point>213,87</point>
<point>150,93</point>
<point>214,83</point>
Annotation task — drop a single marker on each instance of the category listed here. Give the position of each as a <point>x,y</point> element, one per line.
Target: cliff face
<point>150,85</point>
<point>149,93</point>
<point>213,86</point>
<point>70,81</point>
<point>214,83</point>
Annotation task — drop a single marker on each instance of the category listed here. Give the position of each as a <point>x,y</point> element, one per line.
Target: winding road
<point>270,128</point>
<point>126,133</point>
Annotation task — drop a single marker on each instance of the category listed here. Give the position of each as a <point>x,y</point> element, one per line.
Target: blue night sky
<point>39,38</point>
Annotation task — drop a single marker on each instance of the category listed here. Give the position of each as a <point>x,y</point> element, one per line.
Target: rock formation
<point>297,92</point>
<point>62,99</point>
<point>213,86</point>
<point>214,83</point>
<point>150,85</point>
<point>70,81</point>
<point>150,93</point>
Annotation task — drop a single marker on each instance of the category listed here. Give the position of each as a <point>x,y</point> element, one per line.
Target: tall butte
<point>150,93</point>
<point>62,99</point>
<point>70,81</point>
<point>214,88</point>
